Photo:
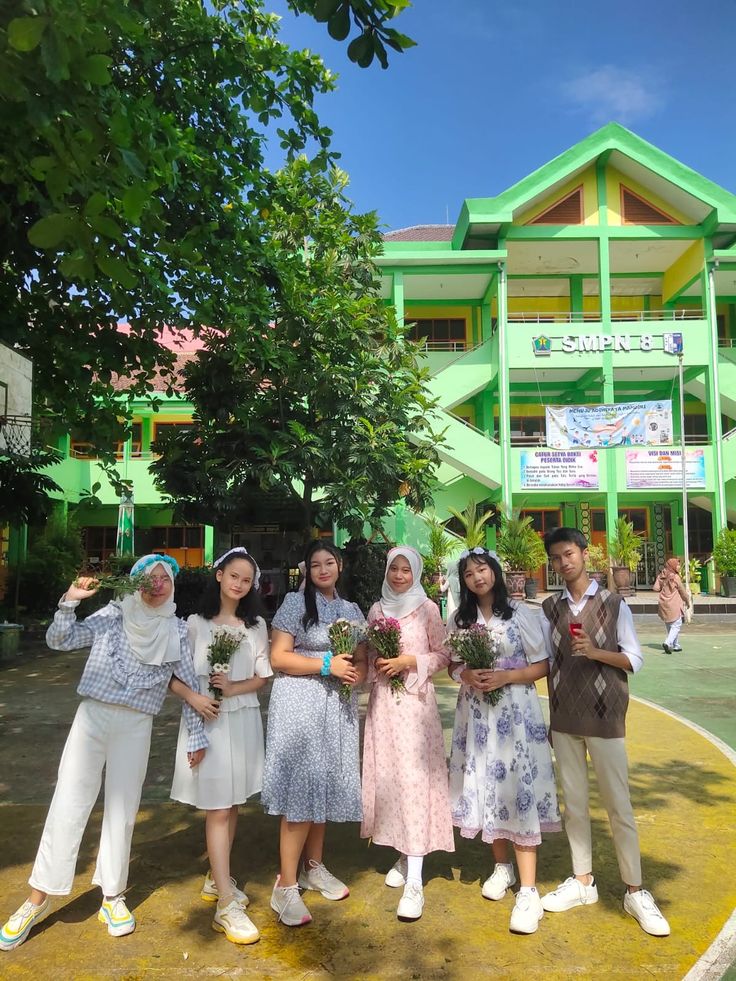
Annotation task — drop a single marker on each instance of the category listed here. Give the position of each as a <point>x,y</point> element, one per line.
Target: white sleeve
<point>628,642</point>
<point>532,632</point>
<point>262,662</point>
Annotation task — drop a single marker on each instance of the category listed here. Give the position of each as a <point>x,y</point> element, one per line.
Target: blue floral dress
<point>502,783</point>
<point>312,768</point>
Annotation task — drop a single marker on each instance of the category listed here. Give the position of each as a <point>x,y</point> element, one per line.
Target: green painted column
<point>604,289</point>
<point>209,544</point>
<point>576,297</point>
<point>397,296</point>
<point>146,433</point>
<point>504,401</point>
<point>678,529</point>
<point>713,394</point>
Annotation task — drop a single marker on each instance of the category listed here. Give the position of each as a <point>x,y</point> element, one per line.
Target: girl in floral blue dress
<point>501,778</point>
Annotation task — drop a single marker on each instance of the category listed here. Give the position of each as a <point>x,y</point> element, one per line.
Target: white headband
<point>470,552</point>
<point>239,550</point>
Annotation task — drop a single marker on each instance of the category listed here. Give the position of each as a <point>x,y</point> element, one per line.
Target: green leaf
<point>107,227</point>
<point>96,203</point>
<point>132,162</point>
<point>360,46</point>
<point>338,26</point>
<point>50,231</point>
<point>117,269</point>
<point>96,69</point>
<point>24,33</point>
<point>77,265</point>
<point>324,9</point>
<point>134,200</point>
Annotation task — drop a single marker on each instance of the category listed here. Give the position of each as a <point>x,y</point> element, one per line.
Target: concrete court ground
<point>684,796</point>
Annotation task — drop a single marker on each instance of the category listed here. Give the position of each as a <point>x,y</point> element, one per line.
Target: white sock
<point>505,865</point>
<point>414,868</point>
<point>528,889</point>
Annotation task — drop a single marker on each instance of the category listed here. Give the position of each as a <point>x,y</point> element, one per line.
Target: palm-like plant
<point>625,545</point>
<point>473,523</point>
<point>518,544</point>
<point>440,546</point>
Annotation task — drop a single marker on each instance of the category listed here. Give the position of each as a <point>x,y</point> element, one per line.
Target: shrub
<point>53,561</point>
<point>362,578</point>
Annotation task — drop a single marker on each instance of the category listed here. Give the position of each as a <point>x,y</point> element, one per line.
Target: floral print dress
<point>502,783</point>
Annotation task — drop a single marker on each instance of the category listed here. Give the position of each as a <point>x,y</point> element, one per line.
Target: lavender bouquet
<point>345,635</point>
<point>384,636</point>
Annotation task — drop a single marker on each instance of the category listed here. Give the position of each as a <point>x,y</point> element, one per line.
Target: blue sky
<point>493,90</point>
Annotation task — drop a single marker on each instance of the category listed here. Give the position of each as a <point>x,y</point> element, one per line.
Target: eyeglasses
<point>158,580</point>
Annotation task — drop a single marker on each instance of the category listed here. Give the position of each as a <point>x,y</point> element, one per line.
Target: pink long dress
<point>406,802</point>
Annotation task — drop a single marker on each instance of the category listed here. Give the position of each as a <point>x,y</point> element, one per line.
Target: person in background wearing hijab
<point>137,644</point>
<point>406,802</point>
<point>672,600</point>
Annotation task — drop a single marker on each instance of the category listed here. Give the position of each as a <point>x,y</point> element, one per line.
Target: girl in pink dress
<point>405,792</point>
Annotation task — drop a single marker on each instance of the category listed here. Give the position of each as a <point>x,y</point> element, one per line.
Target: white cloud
<point>614,94</point>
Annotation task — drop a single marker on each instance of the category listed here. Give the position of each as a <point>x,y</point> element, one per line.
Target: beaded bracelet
<point>326,660</point>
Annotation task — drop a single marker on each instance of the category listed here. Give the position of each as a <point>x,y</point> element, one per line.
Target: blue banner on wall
<point>624,424</point>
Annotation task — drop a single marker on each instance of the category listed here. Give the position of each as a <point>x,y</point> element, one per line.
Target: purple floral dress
<point>501,779</point>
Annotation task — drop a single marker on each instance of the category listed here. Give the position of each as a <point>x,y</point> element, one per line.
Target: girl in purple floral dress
<point>501,779</point>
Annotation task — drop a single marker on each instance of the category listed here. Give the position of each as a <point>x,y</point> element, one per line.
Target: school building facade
<point>562,290</point>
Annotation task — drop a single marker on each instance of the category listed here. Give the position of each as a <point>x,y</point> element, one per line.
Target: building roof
<point>157,382</point>
<point>421,233</point>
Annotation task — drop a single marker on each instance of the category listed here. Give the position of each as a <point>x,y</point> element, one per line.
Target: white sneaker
<point>569,894</point>
<point>642,907</point>
<point>411,903</point>
<point>115,913</point>
<point>527,913</point>
<point>235,923</point>
<point>501,879</point>
<point>16,930</point>
<point>316,876</point>
<point>396,875</point>
<point>210,893</point>
<point>286,901</point>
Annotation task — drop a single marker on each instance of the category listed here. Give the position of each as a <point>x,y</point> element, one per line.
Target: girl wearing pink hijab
<point>406,801</point>
<point>673,598</point>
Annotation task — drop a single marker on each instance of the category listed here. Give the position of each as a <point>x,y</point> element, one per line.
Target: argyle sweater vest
<point>586,698</point>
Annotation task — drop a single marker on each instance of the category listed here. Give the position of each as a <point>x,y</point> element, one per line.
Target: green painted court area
<point>699,683</point>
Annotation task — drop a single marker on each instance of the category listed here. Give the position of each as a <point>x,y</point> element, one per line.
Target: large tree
<point>132,183</point>
<point>325,406</point>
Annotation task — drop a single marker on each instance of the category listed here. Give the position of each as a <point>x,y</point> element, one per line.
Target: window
<point>696,428</point>
<point>440,333</point>
<point>543,519</point>
<point>160,428</point>
<point>639,517</point>
<point>700,531</point>
<point>528,430</point>
<point>637,211</point>
<point>136,442</point>
<point>99,543</point>
<point>567,211</point>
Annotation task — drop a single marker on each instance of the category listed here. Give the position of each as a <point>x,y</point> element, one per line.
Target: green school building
<point>566,289</point>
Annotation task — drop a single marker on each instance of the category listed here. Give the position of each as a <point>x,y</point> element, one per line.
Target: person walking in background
<point>592,646</point>
<point>672,601</point>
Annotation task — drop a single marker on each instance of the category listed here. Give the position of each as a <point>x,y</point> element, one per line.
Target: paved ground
<point>684,796</point>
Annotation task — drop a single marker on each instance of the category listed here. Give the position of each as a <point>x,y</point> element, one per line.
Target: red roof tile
<point>421,233</point>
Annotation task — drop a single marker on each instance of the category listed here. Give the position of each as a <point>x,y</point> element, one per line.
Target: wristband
<point>326,661</point>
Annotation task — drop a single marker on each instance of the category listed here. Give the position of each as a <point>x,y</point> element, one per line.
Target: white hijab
<point>400,605</point>
<point>152,632</point>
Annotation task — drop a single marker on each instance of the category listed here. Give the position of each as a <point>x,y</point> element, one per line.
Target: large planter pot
<point>729,583</point>
<point>9,639</point>
<point>515,582</point>
<point>622,580</point>
<point>601,578</point>
<point>531,588</point>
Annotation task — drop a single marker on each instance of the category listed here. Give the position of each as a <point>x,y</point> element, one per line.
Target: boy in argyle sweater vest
<point>592,646</point>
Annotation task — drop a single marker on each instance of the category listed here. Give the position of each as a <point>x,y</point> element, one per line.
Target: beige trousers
<point>608,757</point>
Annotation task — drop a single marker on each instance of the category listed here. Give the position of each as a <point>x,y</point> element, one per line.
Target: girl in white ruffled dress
<point>234,768</point>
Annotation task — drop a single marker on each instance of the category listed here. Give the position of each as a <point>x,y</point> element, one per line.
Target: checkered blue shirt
<point>114,674</point>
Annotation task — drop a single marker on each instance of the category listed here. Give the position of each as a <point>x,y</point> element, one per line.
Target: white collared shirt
<point>628,642</point>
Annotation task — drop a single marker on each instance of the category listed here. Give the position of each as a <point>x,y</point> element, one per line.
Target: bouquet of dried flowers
<point>384,636</point>
<point>476,648</point>
<point>345,635</point>
<point>220,650</point>
<point>123,585</point>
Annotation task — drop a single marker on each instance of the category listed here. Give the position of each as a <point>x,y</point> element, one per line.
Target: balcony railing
<point>577,317</point>
<point>475,429</point>
<point>454,346</point>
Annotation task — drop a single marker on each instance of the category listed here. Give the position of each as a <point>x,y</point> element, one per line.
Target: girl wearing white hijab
<point>136,647</point>
<point>405,794</point>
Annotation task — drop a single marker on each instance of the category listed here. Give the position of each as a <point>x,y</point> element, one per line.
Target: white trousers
<point>673,632</point>
<point>117,739</point>
<point>608,757</point>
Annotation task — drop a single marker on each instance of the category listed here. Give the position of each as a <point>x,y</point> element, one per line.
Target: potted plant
<point>695,572</point>
<point>597,564</point>
<point>724,557</point>
<point>473,524</point>
<point>521,549</point>
<point>624,548</point>
<point>440,546</point>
